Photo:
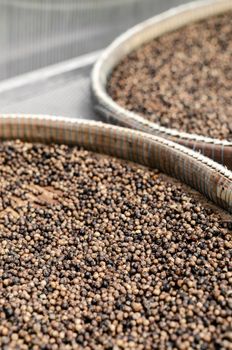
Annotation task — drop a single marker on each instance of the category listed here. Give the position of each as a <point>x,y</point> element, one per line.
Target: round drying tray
<point>194,169</point>
<point>218,150</point>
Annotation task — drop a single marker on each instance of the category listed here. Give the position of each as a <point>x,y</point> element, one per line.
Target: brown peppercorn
<point>181,80</point>
<point>67,281</point>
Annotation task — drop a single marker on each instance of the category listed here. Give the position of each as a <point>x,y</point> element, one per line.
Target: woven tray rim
<point>192,168</point>
<point>134,38</point>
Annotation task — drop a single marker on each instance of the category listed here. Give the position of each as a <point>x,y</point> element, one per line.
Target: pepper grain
<point>97,253</point>
<point>181,80</point>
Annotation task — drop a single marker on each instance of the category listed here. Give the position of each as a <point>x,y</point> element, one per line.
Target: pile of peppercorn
<point>182,80</point>
<point>97,253</point>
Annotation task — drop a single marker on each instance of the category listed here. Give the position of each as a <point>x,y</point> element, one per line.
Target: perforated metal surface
<point>63,90</point>
<point>37,33</point>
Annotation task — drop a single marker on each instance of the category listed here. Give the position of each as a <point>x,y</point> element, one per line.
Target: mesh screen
<point>37,33</point>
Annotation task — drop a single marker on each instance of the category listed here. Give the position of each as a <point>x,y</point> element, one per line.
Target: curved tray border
<point>218,150</point>
<point>208,177</point>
